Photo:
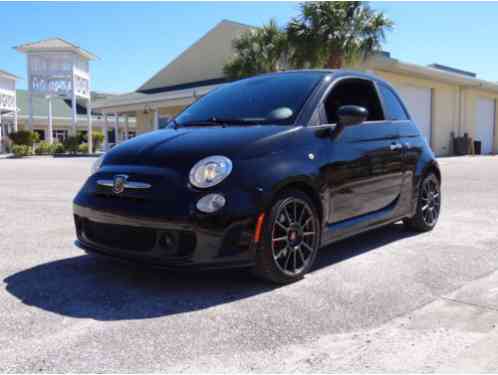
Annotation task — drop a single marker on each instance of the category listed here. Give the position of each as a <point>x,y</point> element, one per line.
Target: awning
<point>138,101</point>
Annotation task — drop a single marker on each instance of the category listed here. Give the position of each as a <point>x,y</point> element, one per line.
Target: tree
<point>333,34</point>
<point>258,51</point>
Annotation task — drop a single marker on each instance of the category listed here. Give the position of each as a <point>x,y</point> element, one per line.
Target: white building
<point>59,94</point>
<point>8,106</point>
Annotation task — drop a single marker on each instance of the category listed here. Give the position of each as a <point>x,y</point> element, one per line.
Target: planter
<point>76,155</point>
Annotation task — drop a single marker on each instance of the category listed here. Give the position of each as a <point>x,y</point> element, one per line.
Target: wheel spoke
<point>308,234</point>
<point>300,220</point>
<point>281,253</point>
<point>431,216</point>
<point>294,254</point>
<point>308,247</point>
<point>289,221</point>
<point>282,226</point>
<point>307,221</point>
<point>284,238</point>
<point>289,253</point>
<point>301,255</point>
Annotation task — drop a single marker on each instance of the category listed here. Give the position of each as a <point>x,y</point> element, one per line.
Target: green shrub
<point>59,148</point>
<point>24,137</point>
<point>44,148</point>
<point>83,148</point>
<point>72,143</point>
<point>20,151</point>
<point>98,139</point>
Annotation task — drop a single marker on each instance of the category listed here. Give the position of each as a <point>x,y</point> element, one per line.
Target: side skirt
<point>351,227</point>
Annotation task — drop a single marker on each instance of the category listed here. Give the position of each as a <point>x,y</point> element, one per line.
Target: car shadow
<point>93,287</point>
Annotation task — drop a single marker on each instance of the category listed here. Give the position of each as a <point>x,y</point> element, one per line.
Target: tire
<point>290,240</point>
<point>428,205</point>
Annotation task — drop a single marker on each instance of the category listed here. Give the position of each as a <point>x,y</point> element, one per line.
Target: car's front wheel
<point>428,205</point>
<point>291,238</point>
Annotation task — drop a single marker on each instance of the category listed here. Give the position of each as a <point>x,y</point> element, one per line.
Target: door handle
<point>395,146</point>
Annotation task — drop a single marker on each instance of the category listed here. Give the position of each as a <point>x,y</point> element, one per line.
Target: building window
<point>59,135</point>
<point>110,136</point>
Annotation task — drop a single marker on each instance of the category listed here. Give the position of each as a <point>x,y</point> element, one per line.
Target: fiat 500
<point>261,173</point>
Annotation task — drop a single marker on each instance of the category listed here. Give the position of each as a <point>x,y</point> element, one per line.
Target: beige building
<point>443,101</point>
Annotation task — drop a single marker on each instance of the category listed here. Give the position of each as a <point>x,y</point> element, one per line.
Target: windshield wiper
<point>224,121</point>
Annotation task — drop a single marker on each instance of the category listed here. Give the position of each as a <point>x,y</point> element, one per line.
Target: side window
<point>394,108</point>
<point>353,92</point>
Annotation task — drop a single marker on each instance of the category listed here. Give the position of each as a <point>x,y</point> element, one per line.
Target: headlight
<point>210,171</point>
<point>97,163</point>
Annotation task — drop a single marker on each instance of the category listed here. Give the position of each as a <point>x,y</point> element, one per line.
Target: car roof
<point>330,72</point>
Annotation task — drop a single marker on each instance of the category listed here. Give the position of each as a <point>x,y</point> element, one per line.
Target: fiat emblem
<point>118,184</point>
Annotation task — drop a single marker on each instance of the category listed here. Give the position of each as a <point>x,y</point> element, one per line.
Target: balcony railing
<point>7,101</point>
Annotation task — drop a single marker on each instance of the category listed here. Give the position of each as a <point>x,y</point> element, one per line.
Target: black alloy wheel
<point>291,239</point>
<point>428,205</point>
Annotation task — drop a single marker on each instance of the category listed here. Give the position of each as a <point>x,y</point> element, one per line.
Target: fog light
<point>167,242</point>
<point>211,203</point>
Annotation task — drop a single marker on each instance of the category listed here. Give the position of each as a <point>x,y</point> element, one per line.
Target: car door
<point>364,173</point>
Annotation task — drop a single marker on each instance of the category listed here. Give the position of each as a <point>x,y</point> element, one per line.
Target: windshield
<point>275,99</point>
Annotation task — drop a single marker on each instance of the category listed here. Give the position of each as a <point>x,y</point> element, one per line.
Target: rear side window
<point>394,108</point>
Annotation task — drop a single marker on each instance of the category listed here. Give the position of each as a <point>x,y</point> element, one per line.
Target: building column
<point>89,133</point>
<point>50,122</point>
<point>106,136</point>
<point>30,110</point>
<point>156,119</point>
<point>15,120</point>
<point>127,127</point>
<point>74,114</point>
<point>1,134</point>
<point>116,128</point>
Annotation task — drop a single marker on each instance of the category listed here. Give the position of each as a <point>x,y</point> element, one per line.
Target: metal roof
<point>61,107</point>
<point>427,72</point>
<point>141,100</point>
<point>54,44</point>
<point>202,61</point>
<point>6,74</point>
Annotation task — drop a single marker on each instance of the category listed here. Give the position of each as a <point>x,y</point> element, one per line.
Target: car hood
<point>186,146</point>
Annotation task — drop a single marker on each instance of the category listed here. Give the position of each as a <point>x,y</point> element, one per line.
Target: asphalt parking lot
<point>388,300</point>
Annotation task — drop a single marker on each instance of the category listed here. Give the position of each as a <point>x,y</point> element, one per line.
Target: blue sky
<point>135,40</point>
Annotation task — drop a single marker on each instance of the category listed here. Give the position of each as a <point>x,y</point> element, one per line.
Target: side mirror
<point>349,115</point>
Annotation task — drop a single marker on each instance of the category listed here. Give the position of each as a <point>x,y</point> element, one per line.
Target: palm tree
<point>332,34</point>
<point>258,51</point>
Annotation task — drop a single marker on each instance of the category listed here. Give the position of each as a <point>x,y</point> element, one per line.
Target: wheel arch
<point>431,167</point>
<point>306,187</point>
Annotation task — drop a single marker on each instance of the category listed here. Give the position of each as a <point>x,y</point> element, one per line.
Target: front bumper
<point>198,242</point>
<point>161,225</point>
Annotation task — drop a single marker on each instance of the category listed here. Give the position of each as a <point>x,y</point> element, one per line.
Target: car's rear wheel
<point>428,205</point>
<point>291,238</point>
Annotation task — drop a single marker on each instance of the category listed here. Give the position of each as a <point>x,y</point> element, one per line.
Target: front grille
<point>119,236</point>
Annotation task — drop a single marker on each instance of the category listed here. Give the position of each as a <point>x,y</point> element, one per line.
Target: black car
<point>261,173</point>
